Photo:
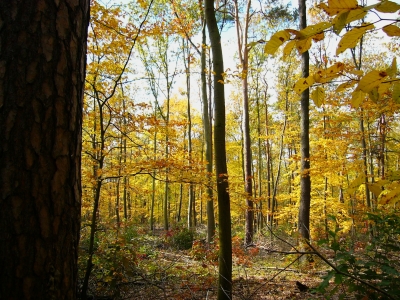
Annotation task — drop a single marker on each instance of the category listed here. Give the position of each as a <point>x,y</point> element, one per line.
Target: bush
<point>183,239</point>
<point>373,270</point>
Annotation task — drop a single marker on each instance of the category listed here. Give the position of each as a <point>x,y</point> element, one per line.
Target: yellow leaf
<point>390,197</point>
<point>276,41</point>
<point>393,175</point>
<point>335,7</point>
<point>374,94</point>
<point>252,44</point>
<point>371,80</point>
<point>288,48</point>
<point>350,38</point>
<point>312,30</point>
<point>396,92</point>
<point>383,88</point>
<point>391,30</point>
<point>318,37</point>
<point>392,70</point>
<point>356,72</point>
<point>303,45</point>
<point>318,96</point>
<point>347,17</point>
<point>339,21</point>
<point>295,33</point>
<point>303,83</point>
<point>323,76</point>
<point>387,7</point>
<point>376,187</point>
<point>345,85</point>
<point>356,98</point>
<point>355,184</point>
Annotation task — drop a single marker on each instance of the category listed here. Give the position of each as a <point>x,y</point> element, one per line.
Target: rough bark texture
<point>305,182</point>
<point>42,70</point>
<point>224,211</point>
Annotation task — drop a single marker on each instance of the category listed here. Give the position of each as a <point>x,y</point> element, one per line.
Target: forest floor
<point>160,271</point>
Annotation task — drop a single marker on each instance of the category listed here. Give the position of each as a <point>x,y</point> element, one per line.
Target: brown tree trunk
<point>42,71</point>
<point>305,182</point>
<point>247,155</point>
<point>224,210</point>
<point>207,138</point>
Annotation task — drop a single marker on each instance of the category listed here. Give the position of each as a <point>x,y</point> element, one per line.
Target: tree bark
<point>305,182</point>
<point>247,155</point>
<point>224,210</point>
<point>42,71</point>
<point>208,139</point>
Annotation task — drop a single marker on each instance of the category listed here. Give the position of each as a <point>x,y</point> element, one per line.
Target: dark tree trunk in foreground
<point>42,70</point>
<point>224,212</point>
<point>305,182</point>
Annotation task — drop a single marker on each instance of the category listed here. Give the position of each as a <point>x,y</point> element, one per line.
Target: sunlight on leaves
<point>351,38</point>
<point>276,41</point>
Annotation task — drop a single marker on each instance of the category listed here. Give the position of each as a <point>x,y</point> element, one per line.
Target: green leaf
<point>351,38</point>
<point>338,278</point>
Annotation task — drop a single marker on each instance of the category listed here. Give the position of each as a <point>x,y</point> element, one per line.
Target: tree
<point>305,181</point>
<point>224,209</point>
<point>42,71</point>
<point>243,50</point>
<point>105,73</point>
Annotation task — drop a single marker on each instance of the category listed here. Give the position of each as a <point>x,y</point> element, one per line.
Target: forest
<point>211,149</point>
<point>309,139</point>
<point>306,205</point>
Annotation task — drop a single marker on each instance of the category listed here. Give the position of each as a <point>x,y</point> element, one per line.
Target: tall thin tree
<point>305,181</point>
<point>224,209</point>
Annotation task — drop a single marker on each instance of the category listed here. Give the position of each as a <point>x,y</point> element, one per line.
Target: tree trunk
<point>224,210</point>
<point>208,140</point>
<point>241,33</point>
<point>305,182</point>
<point>42,71</point>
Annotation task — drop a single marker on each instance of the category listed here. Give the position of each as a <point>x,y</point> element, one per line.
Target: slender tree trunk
<point>305,182</point>
<point>260,169</point>
<point>42,72</point>
<point>241,33</point>
<point>207,138</point>
<point>224,214</point>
